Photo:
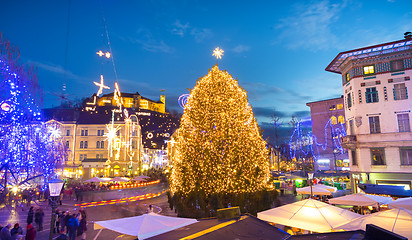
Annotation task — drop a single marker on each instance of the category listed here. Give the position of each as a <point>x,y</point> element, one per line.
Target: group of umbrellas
<point>316,216</point>
<point>140,178</point>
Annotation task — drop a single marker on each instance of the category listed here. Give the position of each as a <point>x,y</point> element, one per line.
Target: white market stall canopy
<point>95,179</point>
<point>144,226</point>
<point>405,203</point>
<point>315,190</point>
<point>398,221</point>
<point>119,179</point>
<point>360,199</point>
<point>139,179</point>
<point>308,214</point>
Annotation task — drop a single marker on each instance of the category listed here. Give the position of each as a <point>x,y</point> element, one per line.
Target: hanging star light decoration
<point>101,85</point>
<point>106,54</point>
<point>218,53</point>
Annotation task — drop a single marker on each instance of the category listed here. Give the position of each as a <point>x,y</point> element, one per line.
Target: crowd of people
<point>68,225</point>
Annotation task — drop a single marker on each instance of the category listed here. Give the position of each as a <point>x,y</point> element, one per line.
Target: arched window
<point>341,119</point>
<point>333,120</point>
<point>98,144</point>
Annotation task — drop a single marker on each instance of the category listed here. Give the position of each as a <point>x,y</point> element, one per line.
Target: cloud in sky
<point>57,69</point>
<point>310,26</point>
<point>199,34</point>
<point>149,43</point>
<point>241,48</point>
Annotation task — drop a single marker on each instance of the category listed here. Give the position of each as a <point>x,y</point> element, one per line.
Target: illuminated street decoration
<point>28,149</point>
<point>218,53</point>
<point>101,85</point>
<point>182,100</point>
<point>106,54</point>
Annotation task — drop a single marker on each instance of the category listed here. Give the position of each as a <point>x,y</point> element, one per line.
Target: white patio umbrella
<point>94,179</point>
<point>329,188</point>
<point>405,203</point>
<point>315,190</point>
<point>144,226</point>
<point>308,214</point>
<point>139,179</point>
<point>396,220</point>
<point>119,179</point>
<point>360,199</point>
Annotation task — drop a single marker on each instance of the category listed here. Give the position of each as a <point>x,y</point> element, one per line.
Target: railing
<point>349,141</point>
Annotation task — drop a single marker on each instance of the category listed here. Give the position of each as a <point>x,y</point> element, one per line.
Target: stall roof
<point>244,228</point>
<point>396,191</point>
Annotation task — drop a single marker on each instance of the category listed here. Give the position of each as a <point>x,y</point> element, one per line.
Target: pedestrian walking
<point>30,216</point>
<point>72,226</point>
<point>5,232</point>
<point>56,227</point>
<point>294,188</point>
<point>16,232</point>
<point>66,219</point>
<point>38,218</point>
<point>81,231</point>
<point>31,232</point>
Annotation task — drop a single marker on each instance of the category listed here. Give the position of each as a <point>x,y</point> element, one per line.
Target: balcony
<point>349,142</point>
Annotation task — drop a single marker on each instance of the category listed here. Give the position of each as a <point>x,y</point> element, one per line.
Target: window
<point>400,91</point>
<point>378,156</point>
<point>369,70</point>
<point>403,122</point>
<point>349,100</point>
<point>341,119</point>
<point>406,156</point>
<point>333,120</point>
<point>84,156</point>
<point>347,77</point>
<point>339,106</point>
<point>98,144</point>
<point>85,144</point>
<point>67,144</point>
<point>332,107</point>
<point>102,144</point>
<point>81,157</point>
<point>98,132</point>
<point>97,156</point>
<point>118,133</point>
<point>82,133</point>
<point>374,124</point>
<point>134,144</point>
<point>81,144</point>
<point>371,95</point>
<point>354,159</point>
<point>397,65</point>
<point>67,132</point>
<point>86,132</point>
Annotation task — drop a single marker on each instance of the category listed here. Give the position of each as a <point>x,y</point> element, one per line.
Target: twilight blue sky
<point>277,49</point>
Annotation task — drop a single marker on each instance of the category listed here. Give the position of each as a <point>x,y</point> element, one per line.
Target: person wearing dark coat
<point>5,232</point>
<point>81,231</point>
<point>72,224</point>
<point>38,218</point>
<point>30,216</point>
<point>16,231</point>
<point>31,233</point>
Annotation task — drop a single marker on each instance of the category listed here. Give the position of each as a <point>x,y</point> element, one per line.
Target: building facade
<point>108,137</point>
<point>328,126</point>
<point>375,82</point>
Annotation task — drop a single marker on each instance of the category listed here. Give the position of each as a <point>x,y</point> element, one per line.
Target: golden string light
<point>218,147</point>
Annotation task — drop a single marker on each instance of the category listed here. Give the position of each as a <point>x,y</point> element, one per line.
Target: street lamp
<point>310,176</point>
<point>55,187</point>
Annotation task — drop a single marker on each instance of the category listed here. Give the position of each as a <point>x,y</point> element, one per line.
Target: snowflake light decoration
<point>218,53</point>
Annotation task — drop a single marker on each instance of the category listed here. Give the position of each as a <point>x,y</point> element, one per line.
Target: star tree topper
<point>101,85</point>
<point>218,53</point>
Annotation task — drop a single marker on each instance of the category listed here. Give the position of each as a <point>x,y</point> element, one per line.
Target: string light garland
<point>218,147</point>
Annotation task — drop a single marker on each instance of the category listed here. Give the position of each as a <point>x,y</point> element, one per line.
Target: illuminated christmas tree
<point>29,148</point>
<point>219,157</point>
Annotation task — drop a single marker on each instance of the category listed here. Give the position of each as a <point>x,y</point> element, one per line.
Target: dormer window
<point>368,70</point>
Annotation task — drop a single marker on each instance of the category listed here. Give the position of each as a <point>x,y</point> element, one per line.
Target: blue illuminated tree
<point>27,145</point>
